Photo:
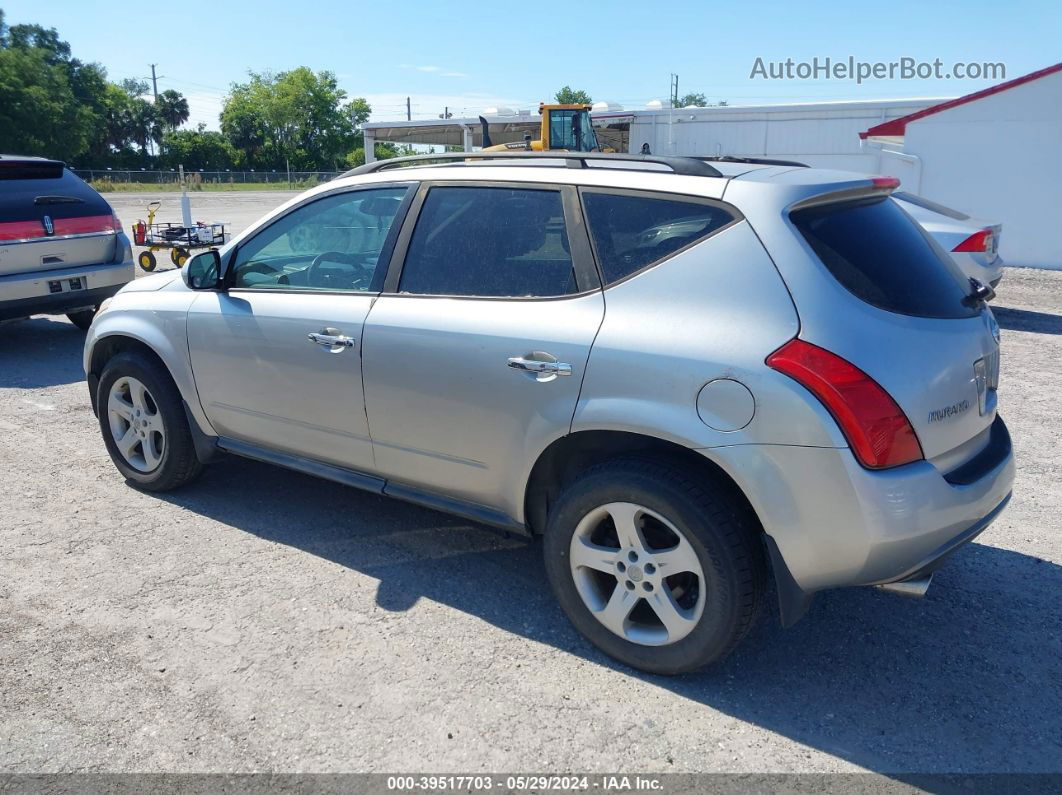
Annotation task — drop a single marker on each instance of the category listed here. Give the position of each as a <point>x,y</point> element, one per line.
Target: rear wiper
<point>58,200</point>
<point>980,294</point>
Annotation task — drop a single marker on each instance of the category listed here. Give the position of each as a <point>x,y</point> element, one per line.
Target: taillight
<point>87,225</point>
<point>889,183</point>
<point>977,242</point>
<point>21,230</point>
<point>877,430</point>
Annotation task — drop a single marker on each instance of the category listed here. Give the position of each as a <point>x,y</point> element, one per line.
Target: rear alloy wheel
<point>144,426</point>
<point>637,574</point>
<point>660,568</point>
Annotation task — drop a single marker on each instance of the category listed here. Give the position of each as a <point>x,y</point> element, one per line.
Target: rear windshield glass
<point>880,255</point>
<point>58,194</point>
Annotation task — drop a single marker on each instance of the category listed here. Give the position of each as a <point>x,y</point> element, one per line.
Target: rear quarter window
<point>631,232</point>
<point>883,257</point>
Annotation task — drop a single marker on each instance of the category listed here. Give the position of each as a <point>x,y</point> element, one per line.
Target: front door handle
<point>331,338</point>
<point>542,368</point>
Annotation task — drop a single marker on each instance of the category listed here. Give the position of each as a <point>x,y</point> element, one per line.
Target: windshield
<point>571,130</point>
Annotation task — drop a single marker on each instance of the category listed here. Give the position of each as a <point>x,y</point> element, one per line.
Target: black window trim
<point>587,279</point>
<point>386,252</point>
<point>735,214</point>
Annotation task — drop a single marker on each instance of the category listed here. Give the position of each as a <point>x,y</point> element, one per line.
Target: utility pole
<point>154,82</point>
<point>674,90</point>
<point>409,112</point>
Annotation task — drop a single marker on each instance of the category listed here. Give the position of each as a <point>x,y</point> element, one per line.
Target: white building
<point>995,154</point>
<point>820,134</point>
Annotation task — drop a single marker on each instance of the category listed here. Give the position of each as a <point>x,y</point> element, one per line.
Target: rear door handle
<point>539,367</point>
<point>331,338</point>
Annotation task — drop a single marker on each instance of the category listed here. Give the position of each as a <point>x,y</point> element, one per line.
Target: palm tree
<point>172,108</point>
<point>143,123</point>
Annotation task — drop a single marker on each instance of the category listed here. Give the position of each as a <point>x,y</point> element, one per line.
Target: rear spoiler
<point>848,191</point>
<point>30,168</point>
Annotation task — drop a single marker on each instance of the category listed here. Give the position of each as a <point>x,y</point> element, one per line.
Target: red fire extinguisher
<point>139,233</point>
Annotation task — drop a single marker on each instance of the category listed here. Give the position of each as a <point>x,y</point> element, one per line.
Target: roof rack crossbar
<point>686,166</point>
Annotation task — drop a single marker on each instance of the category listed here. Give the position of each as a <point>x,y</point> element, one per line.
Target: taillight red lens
<point>29,230</point>
<point>890,183</point>
<point>84,226</point>
<point>877,430</point>
<point>977,242</point>
<point>21,230</point>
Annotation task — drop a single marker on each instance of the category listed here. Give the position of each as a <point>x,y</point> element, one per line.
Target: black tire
<point>147,260</point>
<point>82,319</point>
<point>178,463</point>
<point>723,534</point>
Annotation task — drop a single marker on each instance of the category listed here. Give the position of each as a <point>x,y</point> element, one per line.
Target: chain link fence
<point>295,179</point>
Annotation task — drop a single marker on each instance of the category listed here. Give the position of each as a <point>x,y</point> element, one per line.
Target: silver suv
<point>62,250</point>
<point>687,377</point>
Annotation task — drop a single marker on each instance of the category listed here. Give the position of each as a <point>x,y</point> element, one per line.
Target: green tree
<point>134,87</point>
<point>144,125</point>
<point>693,101</point>
<point>197,149</point>
<point>40,114</point>
<point>298,117</point>
<point>569,96</point>
<point>172,108</point>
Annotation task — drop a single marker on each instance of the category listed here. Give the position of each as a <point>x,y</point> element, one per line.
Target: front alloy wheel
<point>136,425</point>
<point>143,422</point>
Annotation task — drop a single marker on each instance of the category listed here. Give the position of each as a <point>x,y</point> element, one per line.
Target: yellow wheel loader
<point>564,127</point>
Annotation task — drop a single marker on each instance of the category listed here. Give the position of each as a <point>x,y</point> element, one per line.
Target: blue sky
<point>472,56</point>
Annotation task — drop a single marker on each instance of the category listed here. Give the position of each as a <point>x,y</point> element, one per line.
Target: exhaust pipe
<point>915,588</point>
<point>484,125</point>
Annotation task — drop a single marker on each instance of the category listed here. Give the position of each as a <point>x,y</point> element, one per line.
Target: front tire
<point>143,423</point>
<point>661,570</point>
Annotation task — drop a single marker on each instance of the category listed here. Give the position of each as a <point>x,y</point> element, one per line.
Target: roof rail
<point>759,161</point>
<point>687,166</point>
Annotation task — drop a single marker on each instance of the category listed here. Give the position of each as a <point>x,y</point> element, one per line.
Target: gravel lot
<point>264,620</point>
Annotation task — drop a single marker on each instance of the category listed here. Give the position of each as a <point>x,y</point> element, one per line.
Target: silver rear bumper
<point>25,294</point>
<point>833,523</point>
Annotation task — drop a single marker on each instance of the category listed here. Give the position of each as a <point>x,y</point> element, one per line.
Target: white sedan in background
<point>972,243</point>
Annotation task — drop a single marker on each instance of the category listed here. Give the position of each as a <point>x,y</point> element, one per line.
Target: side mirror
<point>203,271</point>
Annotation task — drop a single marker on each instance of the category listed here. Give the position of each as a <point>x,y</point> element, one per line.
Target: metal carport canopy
<point>463,132</point>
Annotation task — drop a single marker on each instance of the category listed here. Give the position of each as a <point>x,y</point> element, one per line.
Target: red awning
<point>897,127</point>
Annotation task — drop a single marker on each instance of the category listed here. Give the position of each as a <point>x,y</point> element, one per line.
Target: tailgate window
<point>883,257</point>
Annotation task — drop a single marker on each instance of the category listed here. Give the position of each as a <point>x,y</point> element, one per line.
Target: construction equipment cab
<point>564,127</point>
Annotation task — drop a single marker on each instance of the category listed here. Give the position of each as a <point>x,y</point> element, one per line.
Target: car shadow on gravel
<point>1027,320</point>
<point>965,680</point>
<point>40,352</point>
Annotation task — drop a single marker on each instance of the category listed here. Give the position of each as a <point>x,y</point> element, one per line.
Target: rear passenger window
<point>631,232</point>
<point>489,242</point>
